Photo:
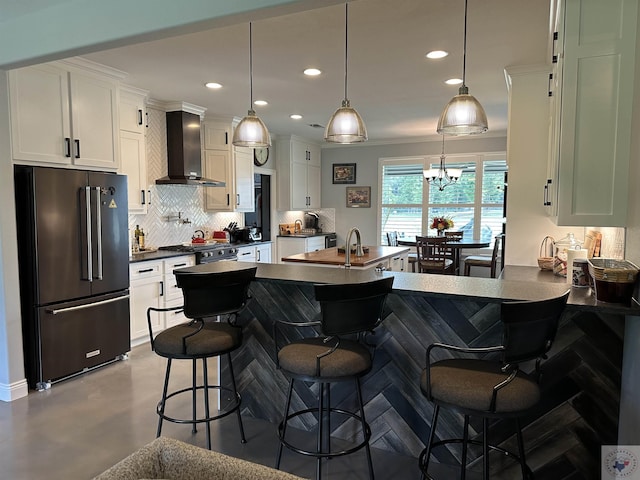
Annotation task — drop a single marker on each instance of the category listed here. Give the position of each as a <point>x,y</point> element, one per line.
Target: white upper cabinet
<point>217,165</point>
<point>591,91</point>
<point>233,165</point>
<point>133,110</point>
<point>299,174</point>
<point>63,113</point>
<point>243,163</point>
<point>133,149</point>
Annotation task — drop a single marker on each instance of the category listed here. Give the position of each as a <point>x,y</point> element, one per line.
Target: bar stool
<point>348,313</point>
<point>206,295</point>
<point>492,389</point>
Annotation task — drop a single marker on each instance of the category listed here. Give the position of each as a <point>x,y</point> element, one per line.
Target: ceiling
<point>398,92</point>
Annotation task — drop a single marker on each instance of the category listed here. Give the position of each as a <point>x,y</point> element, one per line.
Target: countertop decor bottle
<point>141,239</point>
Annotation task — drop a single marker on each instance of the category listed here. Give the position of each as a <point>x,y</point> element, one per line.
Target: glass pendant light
<point>345,125</point>
<point>441,177</point>
<point>251,131</point>
<point>463,115</point>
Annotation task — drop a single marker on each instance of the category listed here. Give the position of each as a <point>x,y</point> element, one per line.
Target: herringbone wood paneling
<point>581,379</point>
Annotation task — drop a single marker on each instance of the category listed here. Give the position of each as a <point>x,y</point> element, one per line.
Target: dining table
<point>456,245</point>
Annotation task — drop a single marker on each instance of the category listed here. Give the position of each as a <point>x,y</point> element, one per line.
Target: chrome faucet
<point>297,228</point>
<point>347,250</point>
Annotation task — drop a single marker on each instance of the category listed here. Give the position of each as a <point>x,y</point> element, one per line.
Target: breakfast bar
<point>582,379</point>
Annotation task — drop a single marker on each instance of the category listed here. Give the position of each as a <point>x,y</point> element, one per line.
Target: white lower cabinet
<point>153,284</point>
<point>399,263</point>
<point>260,253</point>
<point>288,246</point>
<point>145,291</point>
<point>172,294</point>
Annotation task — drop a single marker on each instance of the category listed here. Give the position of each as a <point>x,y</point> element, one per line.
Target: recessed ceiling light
<point>312,72</point>
<point>295,116</point>
<point>453,81</point>
<point>213,85</point>
<point>437,54</point>
<point>261,102</point>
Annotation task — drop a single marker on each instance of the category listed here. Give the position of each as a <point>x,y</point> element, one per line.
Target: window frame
<point>479,158</point>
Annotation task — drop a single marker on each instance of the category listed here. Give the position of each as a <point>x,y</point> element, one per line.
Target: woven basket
<point>544,262</point>
<point>611,270</point>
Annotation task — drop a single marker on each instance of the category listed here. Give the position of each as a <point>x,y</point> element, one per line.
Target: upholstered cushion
<point>478,260</point>
<point>436,264</point>
<point>469,383</point>
<point>213,339</point>
<point>166,458</point>
<point>350,358</point>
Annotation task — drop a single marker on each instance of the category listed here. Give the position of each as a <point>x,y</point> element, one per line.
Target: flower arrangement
<point>441,223</point>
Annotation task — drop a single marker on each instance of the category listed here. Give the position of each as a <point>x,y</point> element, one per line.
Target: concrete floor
<point>82,426</point>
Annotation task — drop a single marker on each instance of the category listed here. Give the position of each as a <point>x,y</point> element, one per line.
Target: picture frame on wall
<point>359,197</point>
<point>344,173</point>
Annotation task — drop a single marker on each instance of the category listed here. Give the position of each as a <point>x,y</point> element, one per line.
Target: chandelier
<point>441,177</point>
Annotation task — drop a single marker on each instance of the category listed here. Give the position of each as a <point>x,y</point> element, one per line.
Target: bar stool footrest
<point>233,407</point>
<point>330,454</point>
<point>507,453</point>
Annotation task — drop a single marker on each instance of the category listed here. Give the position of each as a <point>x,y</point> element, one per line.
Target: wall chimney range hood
<point>184,153</point>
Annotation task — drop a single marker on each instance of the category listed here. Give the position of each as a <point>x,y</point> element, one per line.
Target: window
<point>475,202</point>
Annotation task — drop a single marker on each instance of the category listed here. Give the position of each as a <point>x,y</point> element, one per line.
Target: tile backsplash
<point>161,224</point>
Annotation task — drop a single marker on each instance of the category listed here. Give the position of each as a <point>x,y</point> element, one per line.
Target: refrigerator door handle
<point>87,197</point>
<point>56,311</point>
<point>99,230</point>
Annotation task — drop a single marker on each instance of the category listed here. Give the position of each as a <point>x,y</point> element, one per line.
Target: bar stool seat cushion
<point>348,360</point>
<point>213,339</point>
<point>473,386</point>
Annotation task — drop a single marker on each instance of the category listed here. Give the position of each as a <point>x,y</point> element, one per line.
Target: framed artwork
<point>359,197</point>
<point>344,173</point>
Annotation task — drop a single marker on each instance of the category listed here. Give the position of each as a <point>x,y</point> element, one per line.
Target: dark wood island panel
<point>582,380</point>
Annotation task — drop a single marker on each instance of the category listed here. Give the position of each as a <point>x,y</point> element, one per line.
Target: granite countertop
<point>446,286</point>
<point>580,296</point>
<point>156,255</point>
<point>160,254</point>
<point>330,256</point>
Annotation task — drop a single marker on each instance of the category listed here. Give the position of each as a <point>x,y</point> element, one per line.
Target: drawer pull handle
<point>146,270</point>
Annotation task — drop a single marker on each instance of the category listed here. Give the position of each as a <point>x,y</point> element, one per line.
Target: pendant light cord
<point>250,66</point>
<point>464,47</point>
<point>346,49</point>
<point>442,157</point>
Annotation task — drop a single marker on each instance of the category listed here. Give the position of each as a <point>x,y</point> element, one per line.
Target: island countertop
<point>330,256</point>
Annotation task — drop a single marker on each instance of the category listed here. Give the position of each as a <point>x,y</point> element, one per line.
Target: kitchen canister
<point>560,254</point>
<point>580,273</point>
<point>574,255</point>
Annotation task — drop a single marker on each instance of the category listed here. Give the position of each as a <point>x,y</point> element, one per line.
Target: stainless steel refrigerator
<point>73,254</point>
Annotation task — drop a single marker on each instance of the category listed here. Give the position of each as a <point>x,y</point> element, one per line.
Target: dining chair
<point>485,260</point>
<point>392,241</point>
<point>434,256</point>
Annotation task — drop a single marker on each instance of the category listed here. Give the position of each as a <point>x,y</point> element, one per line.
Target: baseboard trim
<point>14,391</point>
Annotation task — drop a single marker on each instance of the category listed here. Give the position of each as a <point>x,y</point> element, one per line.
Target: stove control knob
<point>220,252</point>
<point>206,254</point>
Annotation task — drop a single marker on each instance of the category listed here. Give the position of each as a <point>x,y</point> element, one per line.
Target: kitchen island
<point>582,380</point>
<point>374,256</point>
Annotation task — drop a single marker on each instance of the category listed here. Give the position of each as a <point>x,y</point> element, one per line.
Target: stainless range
<point>207,253</point>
